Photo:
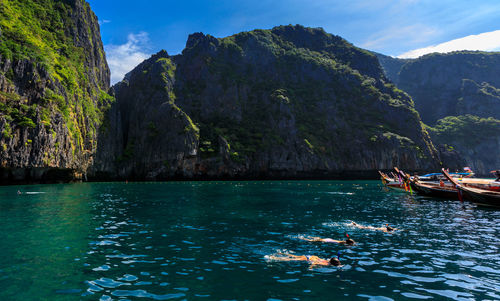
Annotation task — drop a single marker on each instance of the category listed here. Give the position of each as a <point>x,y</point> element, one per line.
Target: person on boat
<point>348,241</point>
<point>387,228</point>
<point>497,174</point>
<point>311,259</point>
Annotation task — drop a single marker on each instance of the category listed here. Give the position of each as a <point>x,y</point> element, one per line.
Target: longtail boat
<point>479,196</point>
<point>395,181</point>
<point>385,178</point>
<point>433,190</point>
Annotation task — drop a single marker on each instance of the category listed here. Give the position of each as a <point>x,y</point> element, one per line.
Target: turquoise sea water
<point>208,240</point>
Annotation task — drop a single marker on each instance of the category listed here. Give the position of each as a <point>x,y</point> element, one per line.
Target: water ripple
<point>145,294</point>
<point>190,240</point>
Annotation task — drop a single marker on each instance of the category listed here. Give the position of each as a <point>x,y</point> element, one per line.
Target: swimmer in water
<point>311,259</point>
<point>387,228</point>
<point>348,241</point>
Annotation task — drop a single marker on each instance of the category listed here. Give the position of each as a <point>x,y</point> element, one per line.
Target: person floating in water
<point>348,241</point>
<point>387,228</point>
<point>313,260</point>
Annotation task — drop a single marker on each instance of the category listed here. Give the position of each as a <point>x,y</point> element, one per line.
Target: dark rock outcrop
<point>53,78</point>
<point>289,102</point>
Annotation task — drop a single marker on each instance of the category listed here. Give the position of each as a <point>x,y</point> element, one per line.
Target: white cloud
<point>399,34</point>
<point>104,22</point>
<point>487,41</point>
<point>123,58</point>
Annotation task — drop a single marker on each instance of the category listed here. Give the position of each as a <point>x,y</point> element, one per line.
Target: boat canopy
<point>451,173</point>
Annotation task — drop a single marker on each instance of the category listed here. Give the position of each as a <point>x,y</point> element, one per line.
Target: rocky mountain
<point>457,94</point>
<point>453,84</point>
<point>53,83</point>
<point>287,102</point>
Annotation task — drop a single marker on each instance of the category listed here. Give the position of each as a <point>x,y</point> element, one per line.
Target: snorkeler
<point>387,228</point>
<point>311,259</point>
<point>348,241</point>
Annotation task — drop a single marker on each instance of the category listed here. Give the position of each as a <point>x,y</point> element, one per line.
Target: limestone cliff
<point>453,84</point>
<point>287,102</point>
<point>53,83</point>
<point>475,139</point>
<point>448,87</point>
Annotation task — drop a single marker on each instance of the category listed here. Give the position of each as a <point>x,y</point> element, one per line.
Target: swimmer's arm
<point>313,266</point>
<point>361,226</point>
<point>287,257</point>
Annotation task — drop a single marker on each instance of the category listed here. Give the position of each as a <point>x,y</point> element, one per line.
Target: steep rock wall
<point>287,102</point>
<point>456,94</point>
<point>53,83</point>
<point>443,84</point>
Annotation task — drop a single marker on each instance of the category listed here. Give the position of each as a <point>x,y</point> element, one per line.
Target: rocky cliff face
<point>53,78</point>
<point>391,66</point>
<point>475,139</point>
<point>286,102</point>
<point>455,84</point>
<point>146,133</point>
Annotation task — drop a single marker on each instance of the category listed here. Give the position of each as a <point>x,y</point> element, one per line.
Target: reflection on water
<point>208,240</point>
<point>43,239</point>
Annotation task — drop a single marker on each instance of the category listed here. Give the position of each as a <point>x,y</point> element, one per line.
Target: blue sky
<point>133,30</point>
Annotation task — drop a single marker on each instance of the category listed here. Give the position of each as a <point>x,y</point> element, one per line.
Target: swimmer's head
<point>334,261</point>
<point>389,228</point>
<point>349,241</point>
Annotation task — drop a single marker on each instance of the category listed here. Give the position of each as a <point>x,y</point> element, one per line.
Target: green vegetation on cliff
<point>299,69</point>
<point>289,101</point>
<point>52,64</point>
<point>466,130</point>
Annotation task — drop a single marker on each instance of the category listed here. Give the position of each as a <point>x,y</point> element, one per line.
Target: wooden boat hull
<point>396,187</point>
<point>435,191</point>
<point>492,186</point>
<point>481,197</point>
